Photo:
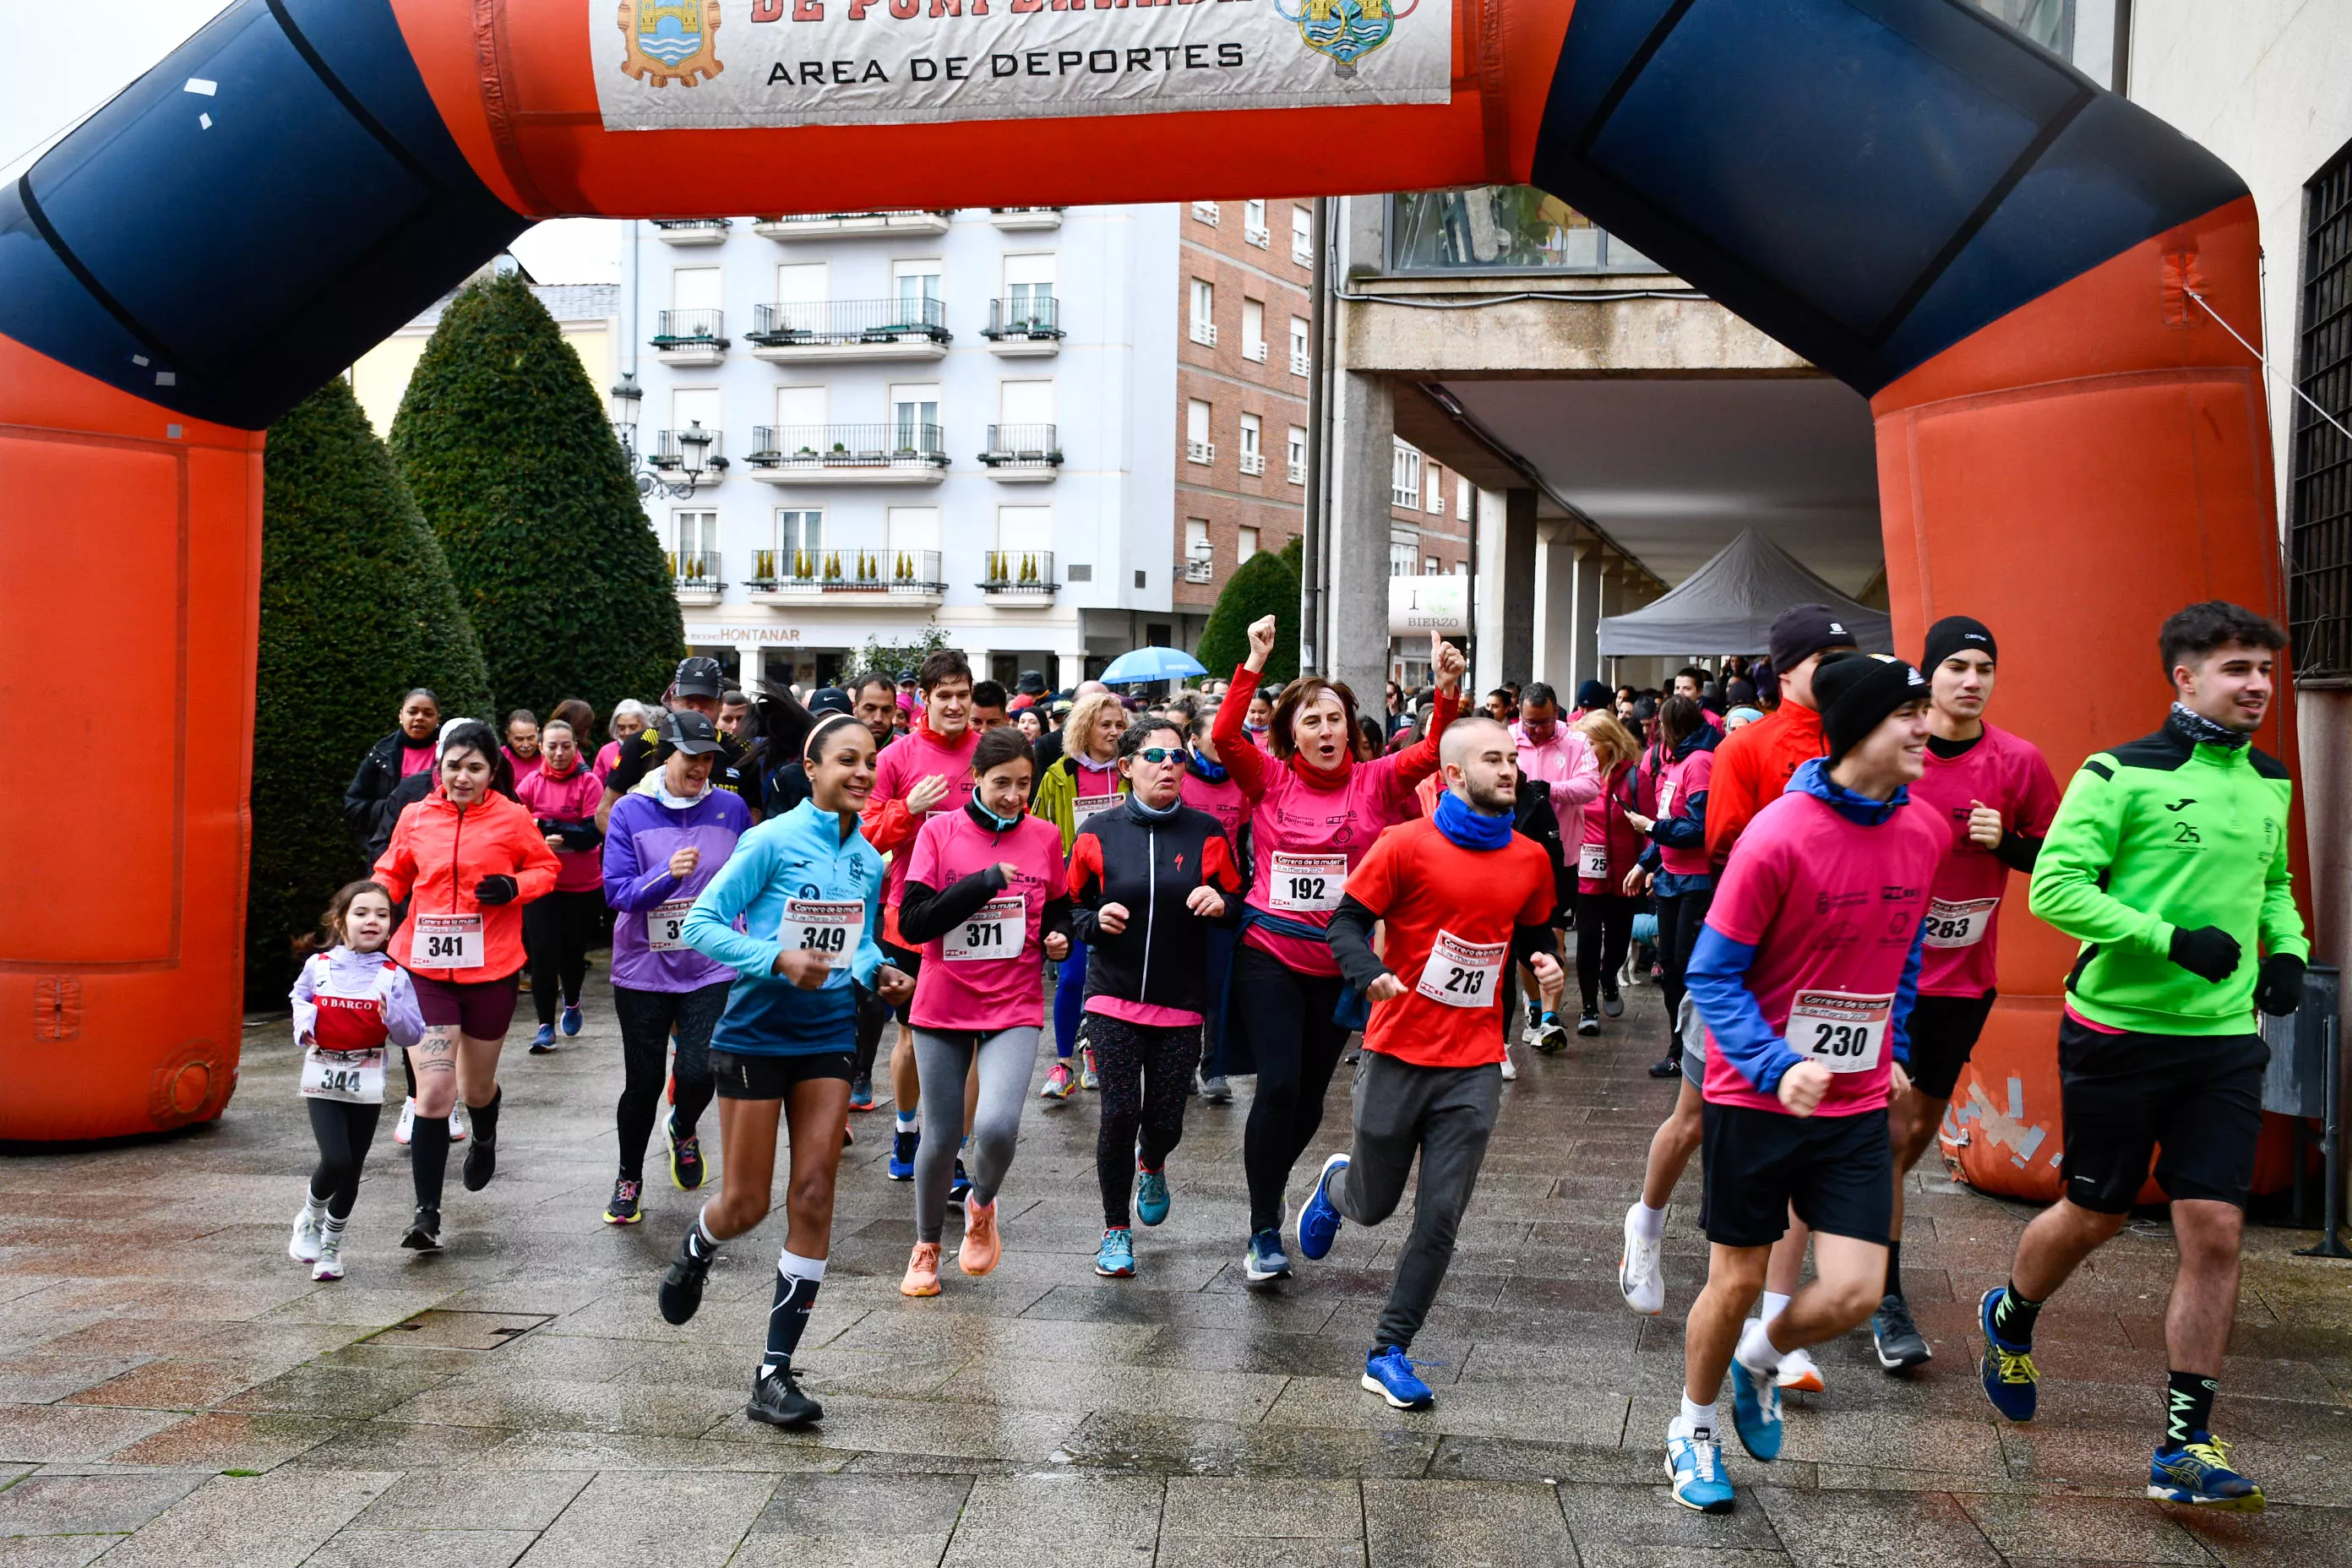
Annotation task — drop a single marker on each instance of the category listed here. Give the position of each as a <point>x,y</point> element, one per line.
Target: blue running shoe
<point>572,1018</point>
<point>1695,1466</point>
<point>1115,1257</point>
<point>1388,1374</point>
<point>2198,1473</point>
<point>901,1167</point>
<point>960,1185</point>
<point>1266,1261</point>
<point>1756,1412</point>
<point>1318,1217</point>
<point>544,1041</point>
<point>2010,1375</point>
<point>1150,1194</point>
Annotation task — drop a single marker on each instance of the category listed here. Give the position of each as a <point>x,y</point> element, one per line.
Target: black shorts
<point>1943,1032</point>
<point>1837,1172</point>
<point>742,1076</point>
<point>907,962</point>
<point>2195,1101</point>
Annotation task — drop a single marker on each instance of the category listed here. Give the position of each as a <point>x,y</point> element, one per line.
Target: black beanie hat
<point>1855,695</point>
<point>1802,630</point>
<point>1951,634</point>
<point>1591,695</point>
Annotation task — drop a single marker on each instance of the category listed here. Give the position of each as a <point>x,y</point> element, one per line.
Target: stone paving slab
<point>175,1391</point>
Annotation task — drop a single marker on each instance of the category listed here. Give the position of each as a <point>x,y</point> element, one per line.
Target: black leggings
<point>647,1019</point>
<point>1288,1017</point>
<point>1679,918</point>
<point>344,1132</point>
<point>556,931</point>
<point>1604,929</point>
<point>1147,1077</point>
<point>873,1017</point>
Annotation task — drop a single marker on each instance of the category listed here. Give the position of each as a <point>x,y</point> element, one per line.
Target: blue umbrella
<point>1134,667</point>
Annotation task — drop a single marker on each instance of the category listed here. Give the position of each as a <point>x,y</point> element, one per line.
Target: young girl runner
<point>985,897</point>
<point>349,1000</point>
<point>1147,880</point>
<point>808,890</point>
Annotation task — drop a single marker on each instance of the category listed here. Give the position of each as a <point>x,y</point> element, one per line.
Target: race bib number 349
<point>828,926</point>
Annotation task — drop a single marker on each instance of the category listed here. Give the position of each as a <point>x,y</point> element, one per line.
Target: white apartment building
<point>853,426</point>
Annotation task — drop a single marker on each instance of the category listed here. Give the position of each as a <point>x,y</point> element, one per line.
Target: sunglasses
<point>1162,755</point>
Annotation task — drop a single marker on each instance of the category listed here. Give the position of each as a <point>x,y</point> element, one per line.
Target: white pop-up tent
<point>1727,606</point>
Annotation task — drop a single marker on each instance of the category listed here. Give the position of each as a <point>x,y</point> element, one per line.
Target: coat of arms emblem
<point>671,41</point>
<point>1346,30</point>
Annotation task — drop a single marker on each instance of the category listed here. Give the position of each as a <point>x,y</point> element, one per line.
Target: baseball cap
<point>1801,631</point>
<point>831,699</point>
<point>692,733</point>
<point>699,676</point>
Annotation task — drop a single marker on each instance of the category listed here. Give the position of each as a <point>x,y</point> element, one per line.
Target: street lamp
<point>687,452</point>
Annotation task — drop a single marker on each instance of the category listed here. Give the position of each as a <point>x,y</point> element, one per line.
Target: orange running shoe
<point>922,1271</point>
<point>981,1246</point>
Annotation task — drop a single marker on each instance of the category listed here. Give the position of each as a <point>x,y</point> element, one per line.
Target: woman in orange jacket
<point>465,859</point>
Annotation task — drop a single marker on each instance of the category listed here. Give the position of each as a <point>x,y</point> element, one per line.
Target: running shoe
<point>1638,1275</point>
<point>1150,1194</point>
<point>1695,1466</point>
<point>424,1231</point>
<point>922,1270</point>
<point>1115,1260</point>
<point>403,1129</point>
<point>1798,1374</point>
<point>1088,1076</point>
<point>1900,1345</point>
<point>481,1163</point>
<point>981,1244</point>
<point>847,1137</point>
<point>861,1092</point>
<point>623,1209</point>
<point>329,1262</point>
<point>1058,1082</point>
<point>1672,1067</point>
<point>687,1171</point>
<point>901,1167</point>
<point>461,1123</point>
<point>543,1042</point>
<point>2010,1379</point>
<point>304,1246</point>
<point>682,1281</point>
<point>1550,1037</point>
<point>1388,1374</point>
<point>1612,1002</point>
<point>777,1399</point>
<point>1588,1023</point>
<point>1510,1067</point>
<point>571,1019</point>
<point>1534,1026</point>
<point>1318,1217</point>
<point>1266,1262</point>
<point>960,1185</point>
<point>1216,1090</point>
<point>1756,1412</point>
<point>2198,1473</point>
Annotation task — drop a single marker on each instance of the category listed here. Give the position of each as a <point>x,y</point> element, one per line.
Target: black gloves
<point>503,890</point>
<point>2209,952</point>
<point>2278,991</point>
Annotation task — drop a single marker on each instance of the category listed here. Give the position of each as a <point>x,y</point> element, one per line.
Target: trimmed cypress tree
<point>503,441</point>
<point>356,609</point>
<point>1265,584</point>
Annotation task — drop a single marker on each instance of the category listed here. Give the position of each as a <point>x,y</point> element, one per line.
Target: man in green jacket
<point>2168,862</point>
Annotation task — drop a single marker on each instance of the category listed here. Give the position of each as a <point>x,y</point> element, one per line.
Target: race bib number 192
<point>1306,884</point>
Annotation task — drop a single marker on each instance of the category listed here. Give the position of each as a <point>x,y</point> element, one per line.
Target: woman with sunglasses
<point>1209,786</point>
<point>1148,882</point>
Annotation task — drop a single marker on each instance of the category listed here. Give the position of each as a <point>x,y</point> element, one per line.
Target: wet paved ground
<point>176,1391</point>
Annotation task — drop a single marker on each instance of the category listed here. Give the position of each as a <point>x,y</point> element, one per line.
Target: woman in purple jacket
<point>660,850</point>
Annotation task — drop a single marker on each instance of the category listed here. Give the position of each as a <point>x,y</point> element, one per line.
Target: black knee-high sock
<point>408,1071</point>
<point>486,1116</point>
<point>428,1157</point>
<point>797,1279</point>
<point>2189,1408</point>
<point>1894,1271</point>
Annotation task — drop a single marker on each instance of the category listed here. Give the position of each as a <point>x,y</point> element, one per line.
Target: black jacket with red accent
<point>1149,867</point>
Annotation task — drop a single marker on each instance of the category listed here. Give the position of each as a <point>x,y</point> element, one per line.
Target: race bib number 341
<point>445,942</point>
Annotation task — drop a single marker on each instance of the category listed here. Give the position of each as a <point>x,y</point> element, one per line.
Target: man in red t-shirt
<point>1462,895</point>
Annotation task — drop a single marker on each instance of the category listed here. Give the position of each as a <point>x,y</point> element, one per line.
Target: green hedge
<point>1266,584</point>
<point>356,608</point>
<point>504,442</point>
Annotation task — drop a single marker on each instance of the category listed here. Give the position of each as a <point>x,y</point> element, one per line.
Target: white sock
<point>704,1242</point>
<point>331,1229</point>
<point>1756,1352</point>
<point>1648,1222</point>
<point>907,1121</point>
<point>1700,1417</point>
<point>313,1209</point>
<point>1774,1305</point>
<point>793,1266</point>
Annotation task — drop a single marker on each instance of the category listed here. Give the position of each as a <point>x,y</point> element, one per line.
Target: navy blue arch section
<point>239,225</point>
<point>1868,181</point>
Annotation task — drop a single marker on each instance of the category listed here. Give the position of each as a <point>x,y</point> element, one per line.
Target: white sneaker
<point>330,1265</point>
<point>1638,1277</point>
<point>304,1246</point>
<point>1798,1372</point>
<point>407,1123</point>
<point>460,1124</point>
<point>1510,1070</point>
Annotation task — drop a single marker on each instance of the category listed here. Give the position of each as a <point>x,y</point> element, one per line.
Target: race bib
<point>1087,804</point>
<point>355,1078</point>
<point>1592,862</point>
<point>664,924</point>
<point>1665,798</point>
<point>1843,1032</point>
<point>1306,884</point>
<point>1963,924</point>
<point>445,942</point>
<point>1463,973</point>
<point>995,930</point>
<point>822,925</point>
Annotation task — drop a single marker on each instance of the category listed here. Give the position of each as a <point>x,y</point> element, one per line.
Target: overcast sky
<point>115,40</point>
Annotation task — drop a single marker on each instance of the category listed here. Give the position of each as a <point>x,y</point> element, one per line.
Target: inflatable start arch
<point>1994,250</point>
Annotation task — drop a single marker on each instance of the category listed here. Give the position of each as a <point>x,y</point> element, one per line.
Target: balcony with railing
<point>693,450</point>
<point>1257,235</point>
<point>1254,351</point>
<point>1200,451</point>
<point>689,337</point>
<point>1204,333</point>
<point>1252,462</point>
<point>1022,454</point>
<point>847,576</point>
<point>694,575</point>
<point>1301,361</point>
<point>850,329</point>
<point>1018,577</point>
<point>1023,326</point>
<point>692,230</point>
<point>896,221</point>
<point>1201,566</point>
<point>1205,212</point>
<point>1500,228</point>
<point>1297,472</point>
<point>1025,217</point>
<point>888,454</point>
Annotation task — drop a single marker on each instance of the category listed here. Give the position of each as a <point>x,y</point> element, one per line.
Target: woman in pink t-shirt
<point>1605,847</point>
<point>985,897</point>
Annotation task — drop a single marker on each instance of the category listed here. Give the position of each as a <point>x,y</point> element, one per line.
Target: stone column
<point>1356,609</point>
<point>1555,606</point>
<point>1585,664</point>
